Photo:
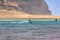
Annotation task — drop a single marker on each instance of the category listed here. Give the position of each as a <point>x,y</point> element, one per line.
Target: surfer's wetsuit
<point>30,21</point>
<point>55,20</point>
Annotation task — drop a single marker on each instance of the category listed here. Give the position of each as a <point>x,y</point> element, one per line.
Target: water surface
<point>21,29</point>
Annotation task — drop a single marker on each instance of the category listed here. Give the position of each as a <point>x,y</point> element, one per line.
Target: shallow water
<point>23,30</point>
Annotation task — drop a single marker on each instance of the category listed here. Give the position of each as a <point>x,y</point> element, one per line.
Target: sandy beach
<point>21,14</point>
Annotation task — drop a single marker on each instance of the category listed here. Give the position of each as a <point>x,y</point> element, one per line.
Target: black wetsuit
<point>30,21</point>
<point>55,20</point>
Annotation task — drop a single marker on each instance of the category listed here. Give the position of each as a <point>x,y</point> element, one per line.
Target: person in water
<point>55,20</point>
<point>30,21</point>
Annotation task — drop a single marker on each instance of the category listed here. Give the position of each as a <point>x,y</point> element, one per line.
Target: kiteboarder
<point>55,20</point>
<point>30,21</point>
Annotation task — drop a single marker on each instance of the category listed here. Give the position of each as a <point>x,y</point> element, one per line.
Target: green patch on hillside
<point>5,7</point>
<point>2,6</point>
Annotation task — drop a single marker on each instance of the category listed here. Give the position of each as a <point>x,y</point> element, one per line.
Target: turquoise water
<point>25,22</point>
<point>40,29</point>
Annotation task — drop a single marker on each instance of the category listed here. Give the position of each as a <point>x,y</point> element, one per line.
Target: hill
<point>32,7</point>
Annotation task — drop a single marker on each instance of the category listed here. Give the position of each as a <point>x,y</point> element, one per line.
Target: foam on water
<point>26,23</point>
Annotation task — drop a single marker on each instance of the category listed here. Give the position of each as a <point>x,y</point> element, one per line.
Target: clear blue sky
<point>54,6</point>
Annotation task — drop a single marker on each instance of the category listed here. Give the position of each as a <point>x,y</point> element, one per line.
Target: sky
<point>54,6</point>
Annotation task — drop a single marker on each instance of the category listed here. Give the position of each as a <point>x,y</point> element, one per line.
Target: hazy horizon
<point>54,6</point>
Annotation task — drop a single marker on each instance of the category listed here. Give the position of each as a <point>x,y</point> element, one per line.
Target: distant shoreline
<point>31,17</point>
<point>26,19</point>
<point>21,14</point>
